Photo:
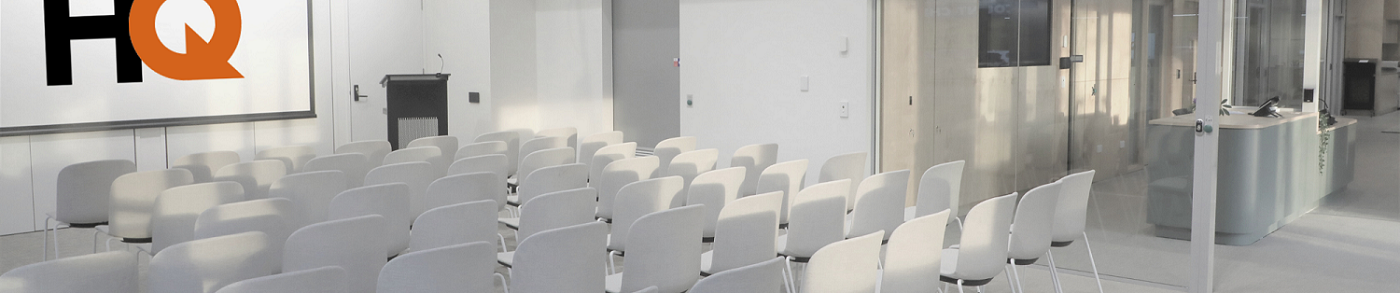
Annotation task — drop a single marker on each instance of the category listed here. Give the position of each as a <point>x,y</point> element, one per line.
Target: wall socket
<point>1098,148</point>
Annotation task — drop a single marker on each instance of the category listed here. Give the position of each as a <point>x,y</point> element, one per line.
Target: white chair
<point>845,166</point>
<point>269,216</point>
<point>747,234</point>
<point>766,276</point>
<point>651,289</point>
<point>293,157</point>
<point>447,144</point>
<point>456,268</point>
<point>669,148</point>
<point>590,144</point>
<point>1070,214</point>
<point>355,166</point>
<point>982,250</point>
<point>818,213</point>
<point>322,280</point>
<point>432,155</point>
<point>938,190</point>
<point>455,224</point>
<point>484,163</point>
<point>342,243</point>
<point>879,204</point>
<point>665,252</point>
<point>256,176</point>
<point>207,265</point>
<point>133,200</point>
<point>845,266</point>
<point>550,179</point>
<point>512,140</point>
<point>1031,228</point>
<point>416,175</point>
<point>542,143</point>
<point>374,151</point>
<point>639,199</point>
<point>608,154</point>
<point>310,193</point>
<point>909,261</point>
<point>84,190</point>
<point>525,134</point>
<point>387,200</point>
<point>462,188</point>
<point>480,149</point>
<point>569,134</point>
<point>618,174</point>
<point>755,158</point>
<point>786,177</point>
<point>177,209</point>
<point>545,158</point>
<point>203,165</point>
<point>550,211</point>
<point>110,272</point>
<point>715,190</point>
<point>563,260</point>
<point>691,164</point>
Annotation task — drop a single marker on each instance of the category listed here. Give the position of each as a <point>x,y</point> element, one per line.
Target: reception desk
<point>1271,171</point>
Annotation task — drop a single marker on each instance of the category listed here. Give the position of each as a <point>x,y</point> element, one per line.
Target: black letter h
<point>60,29</point>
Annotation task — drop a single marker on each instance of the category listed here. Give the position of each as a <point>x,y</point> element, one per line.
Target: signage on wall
<point>111,64</point>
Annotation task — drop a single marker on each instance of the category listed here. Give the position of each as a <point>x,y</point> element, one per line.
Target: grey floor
<point>1349,244</point>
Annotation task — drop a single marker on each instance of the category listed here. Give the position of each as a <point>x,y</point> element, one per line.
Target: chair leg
<point>94,241</point>
<point>1018,279</point>
<point>1054,273</point>
<point>1091,261</point>
<point>503,242</point>
<point>960,286</point>
<point>503,282</point>
<point>1009,282</point>
<point>792,276</point>
<point>612,265</point>
<point>46,241</point>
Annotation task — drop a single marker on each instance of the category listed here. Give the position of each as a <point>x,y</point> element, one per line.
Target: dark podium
<point>417,106</point>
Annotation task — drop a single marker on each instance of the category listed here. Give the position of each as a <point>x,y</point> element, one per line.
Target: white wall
<point>460,31</point>
<point>743,60</point>
<point>573,66</point>
<point>513,64</point>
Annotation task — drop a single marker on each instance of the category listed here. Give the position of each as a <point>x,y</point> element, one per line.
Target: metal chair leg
<point>503,282</point>
<point>1009,283</point>
<point>46,241</point>
<point>1054,273</point>
<point>1018,279</point>
<point>1092,263</point>
<point>791,276</point>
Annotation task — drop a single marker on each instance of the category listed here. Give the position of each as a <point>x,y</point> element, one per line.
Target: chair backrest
<point>1034,222</point>
<point>786,177</point>
<point>714,190</point>
<point>542,143</point>
<point>310,193</point>
<point>256,176</point>
<point>547,158</point>
<point>608,154</point>
<point>207,265</point>
<point>846,166</point>
<point>818,218</point>
<point>880,203</point>
<point>512,140</point>
<point>692,163</point>
<point>951,173</point>
<point>85,188</point>
<point>203,165</point>
<point>551,179</point>
<point>457,268</point>
<point>321,280</point>
<point>293,157</point>
<point>354,167</point>
<point>569,134</point>
<point>113,272</point>
<point>1073,207</point>
<point>484,163</point>
<point>639,199</point>
<point>177,209</point>
<point>845,266</point>
<point>590,144</point>
<point>447,144</point>
<point>416,175</point>
<point>618,174</point>
<point>665,251</point>
<point>747,232</point>
<point>455,224</point>
<point>462,188</point>
<point>988,225</point>
<point>525,134</point>
<point>934,196</point>
<point>342,243</point>
<point>756,158</point>
<point>764,276</point>
<point>374,151</point>
<point>556,210</point>
<point>387,200</point>
<point>432,155</point>
<point>669,148</point>
<point>567,260</point>
<point>480,149</point>
<point>912,256</point>
<point>269,216</point>
<point>133,198</point>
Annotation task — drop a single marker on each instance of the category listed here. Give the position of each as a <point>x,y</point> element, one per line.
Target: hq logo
<point>133,25</point>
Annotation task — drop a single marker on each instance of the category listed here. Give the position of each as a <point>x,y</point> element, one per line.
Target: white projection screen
<point>111,55</point>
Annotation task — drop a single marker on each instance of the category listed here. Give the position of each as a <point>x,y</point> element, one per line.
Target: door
<point>384,37</point>
<point>646,81</point>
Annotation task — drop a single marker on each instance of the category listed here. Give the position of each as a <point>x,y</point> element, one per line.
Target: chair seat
<point>506,258</point>
<point>707,260</point>
<point>949,267</point>
<point>513,200</point>
<point>780,244</point>
<point>512,223</point>
<point>909,213</point>
<point>613,284</point>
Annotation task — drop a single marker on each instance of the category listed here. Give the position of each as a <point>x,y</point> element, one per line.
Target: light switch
<point>845,109</point>
<point>805,83</point>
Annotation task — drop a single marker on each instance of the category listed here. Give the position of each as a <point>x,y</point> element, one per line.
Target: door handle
<point>357,94</point>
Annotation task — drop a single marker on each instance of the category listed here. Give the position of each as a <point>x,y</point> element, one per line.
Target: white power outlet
<point>1098,148</point>
<point>845,109</point>
<point>1122,144</point>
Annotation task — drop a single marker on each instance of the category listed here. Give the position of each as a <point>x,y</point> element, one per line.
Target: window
<point>1014,33</point>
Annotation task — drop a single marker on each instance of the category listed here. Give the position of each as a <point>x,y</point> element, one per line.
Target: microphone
<point>441,64</point>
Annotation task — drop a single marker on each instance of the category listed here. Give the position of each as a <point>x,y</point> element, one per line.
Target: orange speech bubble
<point>201,60</point>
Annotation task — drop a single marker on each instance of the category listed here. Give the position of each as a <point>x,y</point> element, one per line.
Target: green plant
<point>1224,108</point>
<point>1324,136</point>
